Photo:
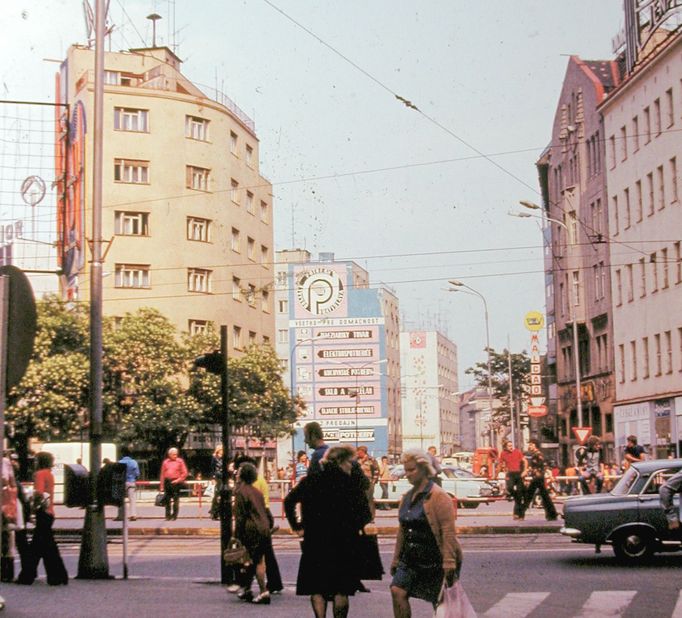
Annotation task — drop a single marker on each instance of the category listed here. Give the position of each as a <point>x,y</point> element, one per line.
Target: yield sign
<point>582,433</point>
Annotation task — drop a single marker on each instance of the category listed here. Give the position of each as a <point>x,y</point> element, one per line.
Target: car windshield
<point>457,473</point>
<point>625,483</point>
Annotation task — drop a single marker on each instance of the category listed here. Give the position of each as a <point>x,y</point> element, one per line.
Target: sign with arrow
<point>582,433</point>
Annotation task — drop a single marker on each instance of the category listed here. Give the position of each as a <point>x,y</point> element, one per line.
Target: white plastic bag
<point>454,603</point>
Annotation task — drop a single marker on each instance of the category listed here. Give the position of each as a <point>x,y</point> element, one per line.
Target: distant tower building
<point>187,217</point>
<point>429,391</point>
<point>338,340</point>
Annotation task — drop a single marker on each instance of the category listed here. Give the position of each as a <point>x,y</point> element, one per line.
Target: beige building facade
<point>187,217</point>
<point>642,121</point>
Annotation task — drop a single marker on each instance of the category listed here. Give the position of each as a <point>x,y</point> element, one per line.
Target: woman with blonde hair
<point>427,552</point>
<point>334,509</point>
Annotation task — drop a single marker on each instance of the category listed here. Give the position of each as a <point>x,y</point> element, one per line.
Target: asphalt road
<point>507,576</point>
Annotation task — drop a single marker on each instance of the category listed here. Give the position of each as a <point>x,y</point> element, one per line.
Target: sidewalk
<point>193,520</point>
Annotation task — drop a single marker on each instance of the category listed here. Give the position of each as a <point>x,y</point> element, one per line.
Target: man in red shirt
<point>173,475</point>
<point>515,464</point>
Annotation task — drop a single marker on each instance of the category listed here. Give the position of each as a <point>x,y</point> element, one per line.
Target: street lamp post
<point>572,317</point>
<point>460,284</point>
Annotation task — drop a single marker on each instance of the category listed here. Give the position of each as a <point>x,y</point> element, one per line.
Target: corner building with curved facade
<point>186,215</point>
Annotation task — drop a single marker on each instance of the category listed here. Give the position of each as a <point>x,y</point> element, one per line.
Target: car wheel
<point>633,546</point>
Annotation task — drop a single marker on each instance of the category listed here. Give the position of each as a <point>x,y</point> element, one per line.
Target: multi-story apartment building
<point>474,418</point>
<point>338,340</point>
<point>187,217</point>
<point>642,121</point>
<point>429,391</point>
<point>577,260</point>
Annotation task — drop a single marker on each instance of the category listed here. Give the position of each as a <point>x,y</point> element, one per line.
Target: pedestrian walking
<point>536,470</point>
<point>515,465</point>
<point>314,438</point>
<point>23,516</point>
<point>384,479</point>
<point>132,474</point>
<point>435,464</point>
<point>217,478</point>
<point>427,552</point>
<point>334,509</point>
<point>593,466</point>
<point>173,475</point>
<point>10,513</point>
<point>370,469</point>
<point>43,545</point>
<point>252,528</point>
<point>301,465</point>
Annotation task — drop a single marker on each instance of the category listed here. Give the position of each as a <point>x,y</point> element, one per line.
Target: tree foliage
<point>152,397</point>
<point>499,370</point>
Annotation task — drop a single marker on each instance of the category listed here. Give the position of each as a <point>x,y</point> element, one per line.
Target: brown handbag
<point>236,554</point>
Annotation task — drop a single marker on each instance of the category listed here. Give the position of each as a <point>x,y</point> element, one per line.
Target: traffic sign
<point>582,433</point>
<point>537,411</point>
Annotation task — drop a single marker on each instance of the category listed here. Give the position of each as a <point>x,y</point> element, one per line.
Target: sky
<point>415,196</point>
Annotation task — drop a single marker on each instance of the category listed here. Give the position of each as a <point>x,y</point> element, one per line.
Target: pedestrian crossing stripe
<point>600,604</point>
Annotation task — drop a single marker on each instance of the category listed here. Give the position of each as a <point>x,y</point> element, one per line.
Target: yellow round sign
<point>534,321</point>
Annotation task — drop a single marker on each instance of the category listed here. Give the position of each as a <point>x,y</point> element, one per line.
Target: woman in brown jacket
<point>252,528</point>
<point>427,551</point>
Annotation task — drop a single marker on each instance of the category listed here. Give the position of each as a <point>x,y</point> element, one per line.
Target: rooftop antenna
<point>154,17</point>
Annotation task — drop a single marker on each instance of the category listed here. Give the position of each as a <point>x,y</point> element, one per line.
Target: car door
<point>650,510</point>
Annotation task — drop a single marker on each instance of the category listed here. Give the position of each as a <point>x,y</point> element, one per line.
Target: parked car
<point>629,517</point>
<point>469,490</point>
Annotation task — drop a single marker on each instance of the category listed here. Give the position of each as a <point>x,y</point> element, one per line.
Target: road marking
<point>606,603</point>
<point>677,612</point>
<point>516,604</point>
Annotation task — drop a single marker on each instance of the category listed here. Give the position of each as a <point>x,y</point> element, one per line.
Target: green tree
<point>499,366</point>
<point>50,400</point>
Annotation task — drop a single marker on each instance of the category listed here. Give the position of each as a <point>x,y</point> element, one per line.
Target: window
<point>623,143</point>
<point>640,205</point>
<point>654,272</point>
<point>196,128</point>
<point>668,351</point>
<point>266,340</point>
<point>657,117</point>
<point>666,268</point>
<point>198,229</point>
<point>249,155</point>
<point>130,119</point>
<point>647,125</point>
<point>252,338</point>
<point>112,78</point>
<point>236,289</point>
<point>264,212</point>
<point>616,221</point>
<point>642,278</point>
<point>250,248</point>
<point>575,279</point>
<point>199,280</point>
<point>612,152</point>
<point>673,180</point>
<point>572,227</point>
<point>233,142</point>
<point>633,359</point>
<point>650,192</point>
<point>621,363</point>
<point>264,255</point>
<point>265,301</point>
<point>669,108</point>
<point>234,191</point>
<point>283,306</point>
<point>251,295</point>
<point>135,172</point>
<point>197,327</point>
<point>628,214</point>
<point>597,282</point>
<point>635,133</point>
<point>132,276</point>
<point>619,288</point>
<point>678,262</point>
<point>235,242</point>
<point>197,178</point>
<point>602,275</point>
<point>249,203</point>
<point>645,357</point>
<point>562,300</point>
<point>283,335</point>
<point>661,187</point>
<point>657,342</point>
<point>131,223</point>
<point>630,282</point>
<point>237,337</point>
